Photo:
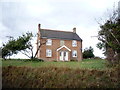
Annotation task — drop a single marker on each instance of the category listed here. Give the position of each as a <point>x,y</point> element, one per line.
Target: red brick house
<point>59,45</point>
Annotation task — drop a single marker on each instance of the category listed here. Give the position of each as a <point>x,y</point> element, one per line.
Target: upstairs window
<point>74,43</point>
<point>61,42</point>
<point>48,53</point>
<point>74,53</point>
<point>49,42</point>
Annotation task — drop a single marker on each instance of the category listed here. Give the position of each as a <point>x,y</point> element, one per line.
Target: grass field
<point>85,64</point>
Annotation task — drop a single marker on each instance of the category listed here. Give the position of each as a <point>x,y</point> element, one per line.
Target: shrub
<point>38,60</point>
<point>88,53</point>
<point>97,58</point>
<point>73,60</point>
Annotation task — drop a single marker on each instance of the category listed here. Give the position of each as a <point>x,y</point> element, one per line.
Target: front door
<point>64,56</point>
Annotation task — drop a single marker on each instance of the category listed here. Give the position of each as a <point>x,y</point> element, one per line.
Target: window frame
<point>73,53</point>
<point>74,43</point>
<point>62,42</point>
<point>48,53</point>
<point>49,42</point>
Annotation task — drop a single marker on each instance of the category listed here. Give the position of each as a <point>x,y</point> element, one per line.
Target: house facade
<point>57,45</point>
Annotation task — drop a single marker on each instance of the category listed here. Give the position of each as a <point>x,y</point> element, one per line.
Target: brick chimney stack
<point>74,30</point>
<point>38,39</point>
<point>39,25</point>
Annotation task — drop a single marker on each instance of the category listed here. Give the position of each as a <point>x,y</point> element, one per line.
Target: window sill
<point>74,56</point>
<point>48,45</point>
<point>48,56</point>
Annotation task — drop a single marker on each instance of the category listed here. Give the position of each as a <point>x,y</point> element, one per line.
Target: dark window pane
<point>60,53</point>
<point>64,53</point>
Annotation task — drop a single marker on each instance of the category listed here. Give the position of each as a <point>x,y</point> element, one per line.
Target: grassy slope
<point>49,75</point>
<point>54,77</point>
<point>85,64</point>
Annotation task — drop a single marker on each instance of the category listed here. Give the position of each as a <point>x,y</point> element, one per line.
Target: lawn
<point>84,64</point>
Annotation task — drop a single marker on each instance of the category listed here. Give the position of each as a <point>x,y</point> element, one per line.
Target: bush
<point>97,58</point>
<point>38,60</point>
<point>88,53</point>
<point>116,63</point>
<point>73,60</point>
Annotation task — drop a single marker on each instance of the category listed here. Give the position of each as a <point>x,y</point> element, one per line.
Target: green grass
<point>84,64</point>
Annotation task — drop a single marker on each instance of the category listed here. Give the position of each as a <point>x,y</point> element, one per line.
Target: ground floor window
<point>48,53</point>
<point>74,53</point>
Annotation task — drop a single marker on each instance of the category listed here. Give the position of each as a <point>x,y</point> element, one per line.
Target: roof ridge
<point>56,30</point>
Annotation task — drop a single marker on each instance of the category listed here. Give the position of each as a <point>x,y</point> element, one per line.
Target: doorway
<point>63,56</point>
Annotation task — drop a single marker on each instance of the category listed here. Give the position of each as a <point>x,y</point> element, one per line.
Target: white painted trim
<point>63,47</point>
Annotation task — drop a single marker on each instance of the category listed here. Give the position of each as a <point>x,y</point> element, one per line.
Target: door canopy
<point>63,47</point>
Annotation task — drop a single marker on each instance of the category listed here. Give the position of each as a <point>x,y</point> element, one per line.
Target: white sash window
<point>74,43</point>
<point>74,53</point>
<point>49,42</point>
<point>61,42</point>
<point>48,53</point>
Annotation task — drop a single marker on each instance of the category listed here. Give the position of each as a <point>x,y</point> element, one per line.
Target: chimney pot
<point>74,30</point>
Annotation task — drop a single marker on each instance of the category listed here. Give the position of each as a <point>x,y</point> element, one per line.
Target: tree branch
<point>39,48</point>
<point>115,38</point>
<point>25,54</point>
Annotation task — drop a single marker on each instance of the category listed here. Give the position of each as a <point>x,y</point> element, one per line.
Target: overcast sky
<point>20,16</point>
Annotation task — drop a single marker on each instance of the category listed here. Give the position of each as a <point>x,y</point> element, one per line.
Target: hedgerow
<point>58,77</point>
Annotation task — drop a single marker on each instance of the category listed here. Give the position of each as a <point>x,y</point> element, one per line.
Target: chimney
<point>74,30</point>
<point>39,25</point>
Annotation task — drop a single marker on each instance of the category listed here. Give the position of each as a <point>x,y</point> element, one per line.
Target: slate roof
<point>54,34</point>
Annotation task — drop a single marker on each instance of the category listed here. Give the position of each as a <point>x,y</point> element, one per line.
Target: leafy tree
<point>13,46</point>
<point>109,35</point>
<point>27,47</point>
<point>8,49</point>
<point>88,53</point>
<point>22,44</point>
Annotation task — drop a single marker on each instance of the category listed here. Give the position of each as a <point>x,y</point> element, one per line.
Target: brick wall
<point>55,45</point>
